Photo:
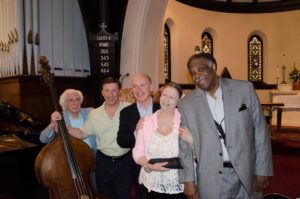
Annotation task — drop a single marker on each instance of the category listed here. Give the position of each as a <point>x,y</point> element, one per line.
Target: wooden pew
<point>270,108</point>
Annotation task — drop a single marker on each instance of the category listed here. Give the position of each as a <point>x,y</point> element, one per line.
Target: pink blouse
<point>144,135</point>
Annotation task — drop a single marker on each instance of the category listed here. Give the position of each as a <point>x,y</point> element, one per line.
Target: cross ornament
<point>103,26</point>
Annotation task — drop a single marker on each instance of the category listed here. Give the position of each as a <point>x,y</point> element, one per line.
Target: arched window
<point>255,59</point>
<point>167,53</point>
<point>206,43</point>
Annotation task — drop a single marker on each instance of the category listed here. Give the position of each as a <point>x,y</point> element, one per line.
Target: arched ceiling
<point>245,6</point>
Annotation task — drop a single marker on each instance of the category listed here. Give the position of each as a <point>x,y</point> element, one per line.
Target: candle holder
<point>283,74</point>
<point>197,49</point>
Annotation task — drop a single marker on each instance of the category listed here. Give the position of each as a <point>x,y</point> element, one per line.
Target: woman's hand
<point>55,116</point>
<point>158,166</point>
<point>186,135</point>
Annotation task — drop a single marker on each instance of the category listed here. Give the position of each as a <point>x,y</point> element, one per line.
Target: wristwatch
<point>146,168</point>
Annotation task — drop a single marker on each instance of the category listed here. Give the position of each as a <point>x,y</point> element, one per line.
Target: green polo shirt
<point>100,124</point>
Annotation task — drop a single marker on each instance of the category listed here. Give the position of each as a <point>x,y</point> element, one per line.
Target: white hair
<point>64,97</point>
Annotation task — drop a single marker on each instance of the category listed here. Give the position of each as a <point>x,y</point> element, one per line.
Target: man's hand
<point>261,182</point>
<point>190,190</point>
<point>140,124</point>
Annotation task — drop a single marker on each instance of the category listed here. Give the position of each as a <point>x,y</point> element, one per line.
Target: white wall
<point>141,39</point>
<point>230,32</point>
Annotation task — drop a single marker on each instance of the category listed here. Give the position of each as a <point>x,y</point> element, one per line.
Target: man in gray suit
<point>230,136</point>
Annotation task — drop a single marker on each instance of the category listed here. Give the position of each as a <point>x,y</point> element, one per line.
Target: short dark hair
<point>207,56</point>
<point>176,86</point>
<point>109,80</point>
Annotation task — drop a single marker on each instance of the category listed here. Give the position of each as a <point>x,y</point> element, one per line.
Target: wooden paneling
<point>30,95</point>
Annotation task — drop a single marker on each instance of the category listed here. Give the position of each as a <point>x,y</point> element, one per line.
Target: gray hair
<point>63,97</point>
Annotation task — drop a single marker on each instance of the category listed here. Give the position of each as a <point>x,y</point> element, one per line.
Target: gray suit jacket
<point>247,137</point>
<point>46,136</point>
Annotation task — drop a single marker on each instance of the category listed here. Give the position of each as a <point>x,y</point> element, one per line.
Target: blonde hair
<point>64,97</point>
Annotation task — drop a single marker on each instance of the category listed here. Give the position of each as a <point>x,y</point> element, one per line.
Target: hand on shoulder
<point>140,124</point>
<point>186,135</point>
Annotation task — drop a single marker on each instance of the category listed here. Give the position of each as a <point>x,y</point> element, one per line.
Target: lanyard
<point>221,131</point>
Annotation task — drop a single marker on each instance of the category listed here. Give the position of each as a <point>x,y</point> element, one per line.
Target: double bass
<point>64,165</point>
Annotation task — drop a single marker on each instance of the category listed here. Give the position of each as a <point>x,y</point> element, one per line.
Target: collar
<point>218,93</point>
<point>149,106</point>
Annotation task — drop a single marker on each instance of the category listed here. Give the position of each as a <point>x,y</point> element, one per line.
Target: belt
<point>113,158</point>
<point>227,165</point>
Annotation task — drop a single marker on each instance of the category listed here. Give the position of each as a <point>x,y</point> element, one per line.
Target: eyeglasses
<point>77,100</point>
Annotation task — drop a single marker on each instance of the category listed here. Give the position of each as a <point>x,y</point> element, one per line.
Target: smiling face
<point>142,88</point>
<point>110,92</point>
<point>169,98</point>
<point>203,73</point>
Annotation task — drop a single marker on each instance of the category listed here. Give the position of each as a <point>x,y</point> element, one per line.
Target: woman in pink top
<point>158,138</point>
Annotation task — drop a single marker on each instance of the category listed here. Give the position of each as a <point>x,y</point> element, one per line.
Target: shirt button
<point>221,154</point>
<point>220,172</point>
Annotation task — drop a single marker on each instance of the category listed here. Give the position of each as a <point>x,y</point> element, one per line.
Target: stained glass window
<point>206,43</point>
<point>255,59</point>
<point>167,53</point>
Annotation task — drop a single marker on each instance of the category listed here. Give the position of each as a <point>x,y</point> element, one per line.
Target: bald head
<point>142,88</point>
<point>140,76</point>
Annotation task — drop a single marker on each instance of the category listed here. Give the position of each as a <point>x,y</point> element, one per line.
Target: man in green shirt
<point>113,163</point>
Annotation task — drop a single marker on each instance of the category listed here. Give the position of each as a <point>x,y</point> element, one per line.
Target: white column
<point>85,54</point>
<point>141,38</point>
<point>28,32</point>
<point>11,21</point>
<point>85,58</point>
<point>78,32</point>
<point>68,37</point>
<point>35,31</point>
<point>58,33</point>
<point>19,33</point>
<point>1,38</point>
<point>5,38</point>
<point>14,15</point>
<point>45,29</point>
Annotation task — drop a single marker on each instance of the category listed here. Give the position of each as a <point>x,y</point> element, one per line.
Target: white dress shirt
<point>217,109</point>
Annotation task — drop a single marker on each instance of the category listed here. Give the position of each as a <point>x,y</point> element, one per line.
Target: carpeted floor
<point>286,161</point>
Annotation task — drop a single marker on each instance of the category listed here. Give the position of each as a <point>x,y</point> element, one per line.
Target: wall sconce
<point>197,49</point>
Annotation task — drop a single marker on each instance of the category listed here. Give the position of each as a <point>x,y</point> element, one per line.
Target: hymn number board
<point>104,53</point>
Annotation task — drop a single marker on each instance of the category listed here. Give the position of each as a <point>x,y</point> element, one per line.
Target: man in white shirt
<point>230,136</point>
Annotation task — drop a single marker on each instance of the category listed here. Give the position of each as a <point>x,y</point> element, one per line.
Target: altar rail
<point>291,100</point>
